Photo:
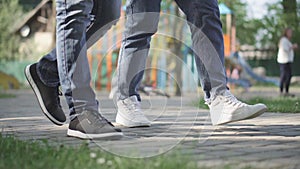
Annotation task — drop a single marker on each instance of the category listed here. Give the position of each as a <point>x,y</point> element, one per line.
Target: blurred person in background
<point>285,58</point>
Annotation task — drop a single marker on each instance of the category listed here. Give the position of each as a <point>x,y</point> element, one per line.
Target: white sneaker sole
<point>228,118</point>
<point>78,134</point>
<point>39,97</point>
<point>129,123</point>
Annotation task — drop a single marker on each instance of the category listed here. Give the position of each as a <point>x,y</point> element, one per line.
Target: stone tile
<point>269,141</point>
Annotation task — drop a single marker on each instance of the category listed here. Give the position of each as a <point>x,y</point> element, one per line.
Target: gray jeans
<point>80,23</point>
<point>142,20</point>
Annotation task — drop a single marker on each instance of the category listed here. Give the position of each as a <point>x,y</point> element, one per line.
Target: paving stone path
<point>269,141</point>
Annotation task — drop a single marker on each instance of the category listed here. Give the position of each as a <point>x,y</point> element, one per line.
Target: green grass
<point>280,104</point>
<point>15,154</point>
<point>6,95</point>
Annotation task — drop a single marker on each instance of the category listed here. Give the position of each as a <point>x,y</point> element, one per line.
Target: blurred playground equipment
<point>172,68</point>
<point>8,82</point>
<point>249,73</point>
<point>103,58</point>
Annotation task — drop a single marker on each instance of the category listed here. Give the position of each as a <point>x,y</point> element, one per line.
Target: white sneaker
<point>130,114</point>
<point>226,109</point>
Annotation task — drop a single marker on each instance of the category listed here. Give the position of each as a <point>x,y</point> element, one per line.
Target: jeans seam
<point>122,50</point>
<point>64,60</point>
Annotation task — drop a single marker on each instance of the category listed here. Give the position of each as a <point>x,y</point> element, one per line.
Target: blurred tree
<point>28,5</point>
<point>291,17</point>
<point>265,32</point>
<point>290,11</point>
<point>246,28</point>
<point>280,15</point>
<point>10,11</point>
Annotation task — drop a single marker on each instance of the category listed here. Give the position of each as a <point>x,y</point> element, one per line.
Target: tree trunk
<point>290,11</point>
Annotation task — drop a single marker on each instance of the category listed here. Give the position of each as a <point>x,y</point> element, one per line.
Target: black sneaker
<point>48,97</point>
<point>90,125</point>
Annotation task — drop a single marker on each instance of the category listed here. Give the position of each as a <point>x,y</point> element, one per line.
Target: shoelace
<point>132,106</point>
<point>99,119</point>
<point>230,99</point>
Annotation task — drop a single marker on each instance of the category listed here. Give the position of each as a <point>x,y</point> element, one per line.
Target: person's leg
<point>141,24</point>
<point>204,21</point>
<point>70,64</point>
<point>282,77</point>
<point>73,69</point>
<point>72,20</point>
<point>206,28</point>
<point>204,78</point>
<point>288,77</point>
<point>105,14</point>
<point>47,96</point>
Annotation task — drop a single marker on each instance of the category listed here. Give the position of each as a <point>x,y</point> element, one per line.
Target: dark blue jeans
<point>285,76</point>
<point>142,20</point>
<point>80,23</point>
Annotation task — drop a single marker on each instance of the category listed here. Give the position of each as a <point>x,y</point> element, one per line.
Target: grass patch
<point>17,154</point>
<point>202,104</point>
<point>6,95</point>
<point>280,104</point>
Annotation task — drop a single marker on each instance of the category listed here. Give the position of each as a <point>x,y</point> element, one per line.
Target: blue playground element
<point>236,58</point>
<point>224,9</point>
<point>247,68</point>
<point>241,82</point>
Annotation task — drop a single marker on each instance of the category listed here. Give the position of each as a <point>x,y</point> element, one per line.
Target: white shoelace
<point>133,108</point>
<point>230,99</point>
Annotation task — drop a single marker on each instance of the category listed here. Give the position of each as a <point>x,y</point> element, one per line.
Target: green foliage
<point>264,32</point>
<point>6,95</point>
<point>10,12</point>
<point>267,31</point>
<point>280,15</point>
<point>29,4</point>
<point>290,12</point>
<point>246,29</point>
<point>166,4</point>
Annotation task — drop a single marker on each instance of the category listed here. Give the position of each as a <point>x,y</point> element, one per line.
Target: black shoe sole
<point>39,97</point>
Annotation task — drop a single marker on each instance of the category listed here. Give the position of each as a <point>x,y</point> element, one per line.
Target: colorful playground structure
<point>103,58</point>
